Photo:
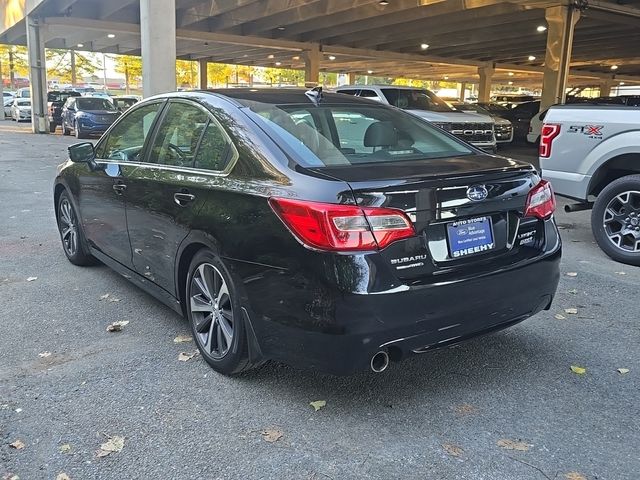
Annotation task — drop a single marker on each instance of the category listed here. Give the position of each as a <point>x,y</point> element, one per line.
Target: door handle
<point>119,188</point>
<point>183,199</point>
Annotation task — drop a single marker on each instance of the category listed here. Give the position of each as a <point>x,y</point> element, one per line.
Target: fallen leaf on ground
<point>114,299</point>
<point>578,370</point>
<point>113,445</point>
<point>272,435</point>
<point>104,297</point>
<point>514,445</point>
<point>560,317</point>
<point>44,354</point>
<point>117,326</point>
<point>571,311</point>
<point>621,273</point>
<point>31,279</point>
<point>622,371</point>
<point>65,448</point>
<point>574,476</point>
<point>318,404</point>
<point>572,274</point>
<point>465,409</point>
<point>573,291</point>
<point>63,476</point>
<point>18,445</point>
<point>182,339</point>
<point>10,476</point>
<point>453,450</point>
<point>185,356</point>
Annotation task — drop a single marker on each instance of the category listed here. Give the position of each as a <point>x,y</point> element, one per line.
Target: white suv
<point>471,127</point>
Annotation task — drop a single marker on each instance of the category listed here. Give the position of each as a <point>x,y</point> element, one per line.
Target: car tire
<point>71,233</point>
<point>79,133</point>
<point>52,127</point>
<point>214,314</point>
<point>615,220</point>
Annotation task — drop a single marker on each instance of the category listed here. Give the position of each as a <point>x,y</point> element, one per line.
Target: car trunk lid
<point>466,210</point>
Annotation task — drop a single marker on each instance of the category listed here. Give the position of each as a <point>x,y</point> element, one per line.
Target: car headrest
<point>380,134</point>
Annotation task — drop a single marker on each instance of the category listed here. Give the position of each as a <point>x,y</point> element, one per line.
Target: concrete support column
<point>203,74</point>
<point>484,89</point>
<point>312,66</point>
<point>158,38</point>
<point>561,21</point>
<point>606,85</point>
<point>37,75</point>
<point>462,90</point>
<point>352,78</point>
<point>1,92</point>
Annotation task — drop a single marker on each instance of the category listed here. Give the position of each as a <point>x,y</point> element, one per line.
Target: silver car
<point>21,109</point>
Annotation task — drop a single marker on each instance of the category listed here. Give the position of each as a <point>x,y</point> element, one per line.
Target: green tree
<point>218,74</point>
<point>186,73</point>
<point>14,63</point>
<point>131,67</point>
<point>59,65</point>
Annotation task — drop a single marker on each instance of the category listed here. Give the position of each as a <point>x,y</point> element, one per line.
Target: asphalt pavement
<point>505,407</point>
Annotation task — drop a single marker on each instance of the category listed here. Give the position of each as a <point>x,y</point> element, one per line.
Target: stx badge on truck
<point>591,131</point>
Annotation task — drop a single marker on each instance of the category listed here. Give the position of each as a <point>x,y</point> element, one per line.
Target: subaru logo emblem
<point>476,193</point>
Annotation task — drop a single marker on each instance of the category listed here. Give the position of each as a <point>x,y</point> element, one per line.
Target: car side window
<point>368,94</point>
<point>215,150</point>
<point>126,140</point>
<point>178,137</point>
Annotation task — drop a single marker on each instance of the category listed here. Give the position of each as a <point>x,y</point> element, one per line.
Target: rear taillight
<point>547,134</point>
<point>332,227</point>
<point>541,202</point>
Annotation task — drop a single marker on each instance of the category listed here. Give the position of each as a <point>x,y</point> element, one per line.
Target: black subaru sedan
<point>319,230</point>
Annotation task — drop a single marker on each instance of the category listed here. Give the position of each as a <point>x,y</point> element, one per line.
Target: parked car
<point>125,102</point>
<point>7,102</point>
<point>502,127</point>
<point>511,100</point>
<point>21,109</point>
<point>56,101</point>
<point>591,152</point>
<point>87,116</point>
<point>24,92</point>
<point>520,116</point>
<point>319,230</point>
<point>470,127</point>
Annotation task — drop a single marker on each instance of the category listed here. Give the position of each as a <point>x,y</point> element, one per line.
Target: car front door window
<point>126,140</point>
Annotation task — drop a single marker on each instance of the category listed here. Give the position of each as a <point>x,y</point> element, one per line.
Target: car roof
<point>395,87</point>
<point>286,96</point>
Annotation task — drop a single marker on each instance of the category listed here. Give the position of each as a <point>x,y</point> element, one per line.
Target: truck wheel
<point>615,220</point>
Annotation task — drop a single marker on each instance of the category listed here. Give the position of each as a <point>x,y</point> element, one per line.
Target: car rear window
<point>415,99</point>
<point>94,103</point>
<point>335,135</point>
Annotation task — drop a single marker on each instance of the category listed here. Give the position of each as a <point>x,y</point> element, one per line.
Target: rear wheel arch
<point>614,168</point>
<point>182,271</point>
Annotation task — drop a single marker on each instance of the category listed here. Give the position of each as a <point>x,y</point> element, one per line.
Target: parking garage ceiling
<point>427,39</point>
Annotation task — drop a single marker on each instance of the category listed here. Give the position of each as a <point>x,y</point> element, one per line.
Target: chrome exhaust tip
<point>380,361</point>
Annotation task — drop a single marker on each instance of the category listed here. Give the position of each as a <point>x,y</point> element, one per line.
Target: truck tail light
<point>541,202</point>
<point>342,228</point>
<point>548,133</point>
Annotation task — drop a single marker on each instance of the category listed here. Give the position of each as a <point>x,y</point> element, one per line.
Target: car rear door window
<point>126,140</point>
<point>179,135</point>
<point>215,152</point>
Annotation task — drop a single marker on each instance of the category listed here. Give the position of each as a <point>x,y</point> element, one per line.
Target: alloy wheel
<point>621,221</point>
<point>68,227</point>
<point>211,310</point>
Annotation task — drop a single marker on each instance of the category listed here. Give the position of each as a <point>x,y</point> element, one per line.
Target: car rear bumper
<point>322,328</point>
<point>567,184</point>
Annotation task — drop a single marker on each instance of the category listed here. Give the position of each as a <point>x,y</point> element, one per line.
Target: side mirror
<point>82,152</point>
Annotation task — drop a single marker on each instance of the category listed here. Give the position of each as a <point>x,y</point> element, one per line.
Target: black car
<point>320,230</point>
<point>55,102</point>
<point>86,116</point>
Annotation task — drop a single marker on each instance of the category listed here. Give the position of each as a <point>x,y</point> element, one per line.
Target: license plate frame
<point>470,237</point>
